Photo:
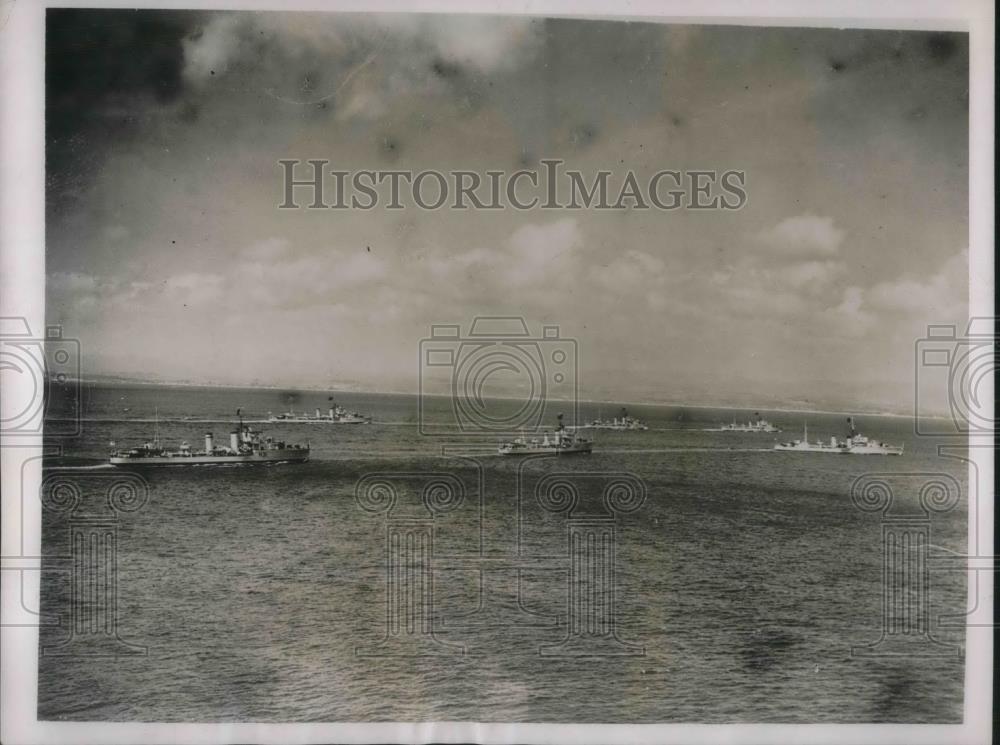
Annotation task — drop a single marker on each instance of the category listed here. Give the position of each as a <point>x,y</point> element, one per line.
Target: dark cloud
<point>445,69</point>
<point>943,47</point>
<point>104,71</point>
<point>93,55</point>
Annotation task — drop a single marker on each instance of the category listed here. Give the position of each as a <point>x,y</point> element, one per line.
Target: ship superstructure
<point>563,441</point>
<point>854,444</point>
<point>619,423</point>
<point>334,415</point>
<point>756,425</point>
<point>245,446</point>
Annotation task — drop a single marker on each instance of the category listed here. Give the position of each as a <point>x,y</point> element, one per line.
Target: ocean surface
<point>674,575</point>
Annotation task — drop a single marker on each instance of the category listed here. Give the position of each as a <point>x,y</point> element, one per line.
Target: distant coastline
<point>333,389</point>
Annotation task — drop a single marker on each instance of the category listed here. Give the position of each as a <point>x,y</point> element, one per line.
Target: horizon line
<point>314,389</point>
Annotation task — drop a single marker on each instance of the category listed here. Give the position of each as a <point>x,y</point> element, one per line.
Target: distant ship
<point>758,424</point>
<point>855,444</point>
<point>624,422</point>
<point>245,446</point>
<point>334,415</point>
<point>561,442</point>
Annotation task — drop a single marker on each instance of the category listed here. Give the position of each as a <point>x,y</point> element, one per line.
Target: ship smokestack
<point>234,440</point>
<point>330,412</point>
<point>208,443</point>
<point>317,412</point>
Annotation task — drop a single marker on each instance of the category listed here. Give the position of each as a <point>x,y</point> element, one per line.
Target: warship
<point>563,441</point>
<point>334,415</point>
<point>624,422</point>
<point>758,424</point>
<point>854,444</point>
<point>245,446</point>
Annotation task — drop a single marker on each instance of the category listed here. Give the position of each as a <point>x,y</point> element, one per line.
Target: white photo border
<point>22,293</point>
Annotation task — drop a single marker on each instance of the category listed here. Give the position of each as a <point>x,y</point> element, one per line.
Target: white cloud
<point>804,236</point>
<point>281,280</point>
<point>543,253</point>
<point>485,43</point>
<point>403,48</point>
<point>633,271</point>
<point>752,299</point>
<point>905,303</point>
<point>269,249</point>
<point>116,232</point>
<point>809,274</point>
<point>210,52</point>
<point>849,318</point>
<point>944,293</point>
<point>72,282</point>
<point>193,288</point>
<point>535,254</point>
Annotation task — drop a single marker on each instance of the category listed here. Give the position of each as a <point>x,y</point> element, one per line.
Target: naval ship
<point>624,422</point>
<point>855,444</point>
<point>561,442</point>
<point>245,446</point>
<point>758,424</point>
<point>334,415</point>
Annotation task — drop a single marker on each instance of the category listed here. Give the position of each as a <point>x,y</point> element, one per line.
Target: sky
<point>168,258</point>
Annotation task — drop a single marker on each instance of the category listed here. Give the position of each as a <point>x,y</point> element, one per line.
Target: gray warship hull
<point>287,455</point>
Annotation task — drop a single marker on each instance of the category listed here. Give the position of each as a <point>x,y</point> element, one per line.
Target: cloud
<point>850,318</point>
<point>274,277</point>
<point>790,269</point>
<point>750,299</point>
<point>72,282</point>
<point>483,43</point>
<point>810,274</point>
<point>944,293</point>
<point>193,288</point>
<point>209,52</point>
<point>849,240</point>
<point>535,254</point>
<point>269,249</point>
<point>543,252</point>
<point>905,303</point>
<point>359,64</point>
<point>633,271</point>
<point>805,235</point>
